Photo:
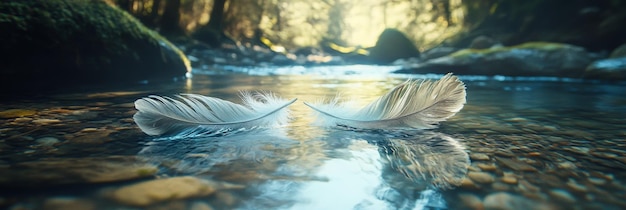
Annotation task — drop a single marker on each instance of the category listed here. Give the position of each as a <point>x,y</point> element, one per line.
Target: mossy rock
<point>57,43</point>
<point>392,45</point>
<point>528,59</point>
<point>607,69</point>
<point>542,46</point>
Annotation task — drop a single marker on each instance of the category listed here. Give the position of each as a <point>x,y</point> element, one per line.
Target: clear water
<point>519,143</point>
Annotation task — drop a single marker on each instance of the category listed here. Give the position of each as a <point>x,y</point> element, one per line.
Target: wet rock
<point>149,192</point>
<point>57,171</point>
<point>504,153</point>
<point>483,42</point>
<point>486,167</point>
<point>47,141</point>
<point>46,121</point>
<point>200,206</point>
<point>226,198</point>
<point>507,201</point>
<point>89,136</point>
<point>597,181</point>
<point>499,186</point>
<point>566,165</point>
<point>515,165</point>
<point>528,59</point>
<point>481,177</point>
<point>578,150</point>
<point>619,52</point>
<point>15,113</point>
<point>574,186</point>
<point>22,119</point>
<point>509,179</point>
<point>562,195</point>
<point>53,52</point>
<point>527,187</point>
<point>471,201</point>
<point>469,184</point>
<point>479,156</point>
<point>438,52</point>
<point>609,69</point>
<point>392,45</point>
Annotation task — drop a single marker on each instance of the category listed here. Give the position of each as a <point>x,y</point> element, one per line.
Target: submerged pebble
<point>200,206</point>
<point>14,113</point>
<point>507,201</point>
<point>471,201</point>
<point>47,141</point>
<point>481,177</point>
<point>149,192</point>
<point>479,156</point>
<point>46,121</point>
<point>562,195</point>
<point>509,179</point>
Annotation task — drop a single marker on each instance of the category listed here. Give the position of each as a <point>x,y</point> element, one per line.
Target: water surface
<point>519,143</point>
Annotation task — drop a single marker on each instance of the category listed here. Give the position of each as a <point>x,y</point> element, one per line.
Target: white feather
<point>418,104</point>
<point>190,114</point>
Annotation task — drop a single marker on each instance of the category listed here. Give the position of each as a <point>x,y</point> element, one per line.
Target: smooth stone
<point>200,206</point>
<point>479,156</point>
<point>578,150</point>
<point>480,177</point>
<point>504,153</point>
<point>226,198</point>
<point>22,119</point>
<point>486,167</point>
<point>46,121</point>
<point>597,181</point>
<point>471,201</point>
<point>509,179</point>
<point>469,184</point>
<point>516,165</point>
<point>499,186</point>
<point>15,113</point>
<point>566,165</point>
<point>527,186</point>
<point>506,201</point>
<point>58,171</point>
<point>154,191</point>
<point>97,136</point>
<point>574,186</point>
<point>562,195</point>
<point>47,141</point>
<point>87,130</point>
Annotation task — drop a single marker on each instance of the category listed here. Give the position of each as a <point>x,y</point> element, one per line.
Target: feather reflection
<point>342,169</point>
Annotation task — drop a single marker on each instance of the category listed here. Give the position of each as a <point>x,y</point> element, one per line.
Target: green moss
<point>148,171</point>
<point>529,45</point>
<point>78,39</point>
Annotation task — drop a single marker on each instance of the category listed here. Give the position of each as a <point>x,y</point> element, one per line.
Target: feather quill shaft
<point>188,115</point>
<point>420,104</point>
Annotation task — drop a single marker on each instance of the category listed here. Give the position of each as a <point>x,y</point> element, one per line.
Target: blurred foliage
<point>428,23</point>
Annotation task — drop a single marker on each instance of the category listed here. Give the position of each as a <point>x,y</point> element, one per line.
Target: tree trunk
<point>126,5</point>
<point>170,25</point>
<point>154,13</point>
<point>217,16</point>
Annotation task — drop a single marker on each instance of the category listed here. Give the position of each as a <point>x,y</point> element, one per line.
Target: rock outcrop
<point>49,44</point>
